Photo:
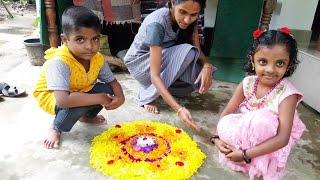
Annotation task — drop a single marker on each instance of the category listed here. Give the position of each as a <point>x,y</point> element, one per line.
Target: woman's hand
<point>206,73</point>
<point>206,78</point>
<point>186,118</point>
<point>235,155</point>
<point>116,101</point>
<point>222,146</point>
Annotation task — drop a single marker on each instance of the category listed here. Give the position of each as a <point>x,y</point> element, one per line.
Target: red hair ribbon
<point>257,33</point>
<point>285,30</point>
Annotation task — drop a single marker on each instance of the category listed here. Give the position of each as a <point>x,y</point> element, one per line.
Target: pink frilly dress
<point>255,125</point>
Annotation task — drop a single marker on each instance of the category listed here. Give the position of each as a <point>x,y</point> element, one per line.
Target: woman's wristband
<point>178,111</point>
<point>244,156</point>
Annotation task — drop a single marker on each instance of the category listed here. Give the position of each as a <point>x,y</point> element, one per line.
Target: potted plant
<point>35,49</point>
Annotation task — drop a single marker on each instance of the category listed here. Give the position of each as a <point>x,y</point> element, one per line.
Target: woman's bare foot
<point>53,139</point>
<point>151,108</point>
<point>96,120</point>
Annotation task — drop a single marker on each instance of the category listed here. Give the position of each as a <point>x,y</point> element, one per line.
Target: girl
<point>258,140</point>
<point>166,59</point>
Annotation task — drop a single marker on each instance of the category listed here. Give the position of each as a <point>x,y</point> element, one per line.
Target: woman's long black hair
<point>185,35</point>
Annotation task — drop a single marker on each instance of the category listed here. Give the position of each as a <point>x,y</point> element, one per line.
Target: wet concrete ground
<point>23,125</point>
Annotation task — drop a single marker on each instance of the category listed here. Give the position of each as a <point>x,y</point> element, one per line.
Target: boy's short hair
<point>75,17</point>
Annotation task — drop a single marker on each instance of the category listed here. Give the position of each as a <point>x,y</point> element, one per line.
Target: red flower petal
<point>285,30</point>
<point>178,131</point>
<point>257,33</point>
<point>179,163</point>
<point>110,162</point>
<point>118,126</point>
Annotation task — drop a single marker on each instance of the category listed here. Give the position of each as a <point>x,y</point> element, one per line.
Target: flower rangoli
<point>145,150</point>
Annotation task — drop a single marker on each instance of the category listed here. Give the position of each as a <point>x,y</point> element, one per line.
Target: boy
<point>68,86</point>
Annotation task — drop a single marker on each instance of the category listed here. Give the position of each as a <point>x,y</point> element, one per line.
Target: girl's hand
<point>206,78</point>
<point>116,101</point>
<point>186,118</point>
<point>235,155</point>
<point>222,146</point>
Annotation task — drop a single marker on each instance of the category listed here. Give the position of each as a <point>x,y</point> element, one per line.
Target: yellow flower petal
<point>111,152</point>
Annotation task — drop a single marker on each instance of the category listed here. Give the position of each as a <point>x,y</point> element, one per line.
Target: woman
<point>166,59</point>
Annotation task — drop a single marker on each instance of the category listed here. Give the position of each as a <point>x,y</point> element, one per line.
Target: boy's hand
<point>116,101</point>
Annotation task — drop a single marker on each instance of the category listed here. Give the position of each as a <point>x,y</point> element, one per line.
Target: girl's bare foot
<point>96,120</point>
<point>151,108</point>
<point>53,139</point>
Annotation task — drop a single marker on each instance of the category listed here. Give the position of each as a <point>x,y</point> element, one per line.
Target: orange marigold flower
<point>113,154</point>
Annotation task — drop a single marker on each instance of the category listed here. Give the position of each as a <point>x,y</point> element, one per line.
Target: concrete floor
<point>23,125</point>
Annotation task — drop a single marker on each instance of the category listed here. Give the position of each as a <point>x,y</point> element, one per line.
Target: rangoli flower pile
<point>145,150</point>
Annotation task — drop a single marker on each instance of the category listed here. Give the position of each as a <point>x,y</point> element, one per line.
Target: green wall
<point>235,23</point>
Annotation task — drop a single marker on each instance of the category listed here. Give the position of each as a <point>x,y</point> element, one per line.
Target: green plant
<point>36,22</point>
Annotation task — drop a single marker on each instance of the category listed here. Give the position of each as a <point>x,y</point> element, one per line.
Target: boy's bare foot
<point>96,120</point>
<point>151,108</point>
<point>53,139</point>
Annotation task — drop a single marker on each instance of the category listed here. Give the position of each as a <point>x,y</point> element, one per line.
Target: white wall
<point>295,14</point>
<point>306,79</point>
<point>38,7</point>
<point>210,13</point>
